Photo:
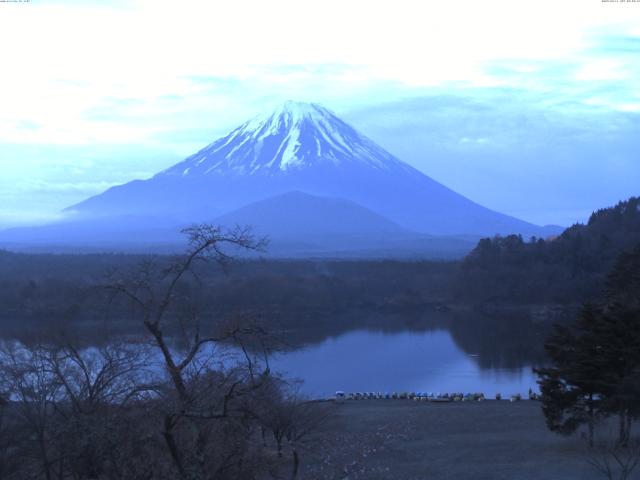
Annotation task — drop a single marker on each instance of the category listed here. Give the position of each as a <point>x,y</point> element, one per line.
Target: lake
<point>408,353</point>
<point>424,361</point>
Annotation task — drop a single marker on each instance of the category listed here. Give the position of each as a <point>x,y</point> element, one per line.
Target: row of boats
<point>427,397</point>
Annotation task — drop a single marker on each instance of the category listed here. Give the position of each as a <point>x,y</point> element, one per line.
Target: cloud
<point>615,44</point>
<point>84,188</point>
<point>110,92</point>
<point>505,149</point>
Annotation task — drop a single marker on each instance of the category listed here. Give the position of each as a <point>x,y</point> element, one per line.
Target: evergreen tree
<point>570,387</point>
<point>595,369</point>
<point>621,333</point>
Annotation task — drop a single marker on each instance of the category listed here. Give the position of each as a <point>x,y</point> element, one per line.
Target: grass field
<point>400,439</point>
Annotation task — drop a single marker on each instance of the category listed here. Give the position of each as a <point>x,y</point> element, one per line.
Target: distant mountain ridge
<point>306,148</point>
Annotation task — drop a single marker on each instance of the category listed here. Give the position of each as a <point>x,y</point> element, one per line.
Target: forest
<point>570,268</point>
<point>37,290</point>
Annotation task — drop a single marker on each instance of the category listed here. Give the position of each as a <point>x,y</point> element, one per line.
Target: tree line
<point>301,295</point>
<point>570,268</point>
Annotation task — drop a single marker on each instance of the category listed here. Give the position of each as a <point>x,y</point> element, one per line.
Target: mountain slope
<point>303,216</point>
<point>303,147</point>
<point>299,224</point>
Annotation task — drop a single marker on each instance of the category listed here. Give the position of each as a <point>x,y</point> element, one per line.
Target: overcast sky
<point>531,108</point>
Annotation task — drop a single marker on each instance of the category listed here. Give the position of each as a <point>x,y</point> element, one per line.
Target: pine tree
<point>595,369</point>
<point>621,335</point>
<point>570,388</point>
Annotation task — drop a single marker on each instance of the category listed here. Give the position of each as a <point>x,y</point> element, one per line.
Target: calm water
<point>427,361</point>
<point>446,354</point>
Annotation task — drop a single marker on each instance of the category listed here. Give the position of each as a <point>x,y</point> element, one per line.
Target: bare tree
<point>191,400</point>
<point>201,399</point>
<point>306,420</point>
<point>8,461</point>
<point>98,384</point>
<point>290,420</point>
<point>64,404</point>
<point>34,392</point>
<point>614,460</point>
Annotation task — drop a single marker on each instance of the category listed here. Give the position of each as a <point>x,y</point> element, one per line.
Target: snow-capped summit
<point>295,135</point>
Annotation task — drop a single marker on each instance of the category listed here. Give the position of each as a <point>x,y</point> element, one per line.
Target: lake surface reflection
<point>425,352</point>
<point>425,361</point>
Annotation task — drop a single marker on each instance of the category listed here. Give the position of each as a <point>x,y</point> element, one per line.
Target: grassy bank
<point>395,439</point>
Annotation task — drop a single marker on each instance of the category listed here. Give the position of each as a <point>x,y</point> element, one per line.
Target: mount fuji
<point>299,175</point>
<point>302,147</point>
